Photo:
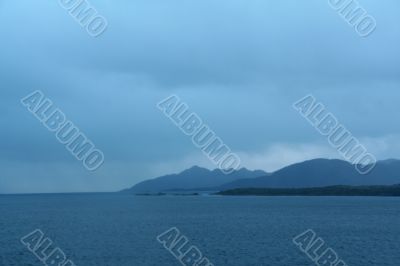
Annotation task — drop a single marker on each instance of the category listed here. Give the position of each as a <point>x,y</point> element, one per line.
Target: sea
<point>120,229</point>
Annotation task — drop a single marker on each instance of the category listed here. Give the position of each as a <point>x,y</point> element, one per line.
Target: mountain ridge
<point>321,173</point>
<point>194,178</point>
<point>318,172</point>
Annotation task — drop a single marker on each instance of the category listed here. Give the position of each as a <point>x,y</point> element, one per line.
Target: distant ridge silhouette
<point>311,173</point>
<point>193,178</point>
<point>321,173</point>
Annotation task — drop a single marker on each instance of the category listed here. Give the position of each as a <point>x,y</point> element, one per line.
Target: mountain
<point>322,173</point>
<point>193,178</point>
<point>308,174</point>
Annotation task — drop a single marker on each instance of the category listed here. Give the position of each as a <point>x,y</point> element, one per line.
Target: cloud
<point>238,64</point>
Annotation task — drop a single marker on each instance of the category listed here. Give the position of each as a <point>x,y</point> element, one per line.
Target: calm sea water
<point>118,230</point>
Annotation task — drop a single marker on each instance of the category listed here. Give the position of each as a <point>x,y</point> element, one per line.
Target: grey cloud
<point>238,64</point>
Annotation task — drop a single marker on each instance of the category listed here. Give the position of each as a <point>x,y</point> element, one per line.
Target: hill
<point>195,178</point>
<point>321,173</point>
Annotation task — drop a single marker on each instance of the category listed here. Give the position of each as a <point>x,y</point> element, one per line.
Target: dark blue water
<point>112,229</point>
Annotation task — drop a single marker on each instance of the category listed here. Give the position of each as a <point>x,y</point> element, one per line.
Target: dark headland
<point>377,191</point>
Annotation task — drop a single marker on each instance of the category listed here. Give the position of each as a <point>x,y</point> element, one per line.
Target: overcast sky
<point>239,64</point>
